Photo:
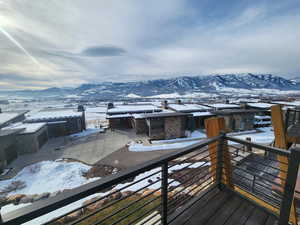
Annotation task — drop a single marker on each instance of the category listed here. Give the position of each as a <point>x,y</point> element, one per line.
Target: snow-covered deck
<point>123,109</point>
<point>48,115</point>
<point>28,127</point>
<point>188,107</point>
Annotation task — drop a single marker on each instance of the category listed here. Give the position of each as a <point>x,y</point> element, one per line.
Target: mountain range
<point>180,86</point>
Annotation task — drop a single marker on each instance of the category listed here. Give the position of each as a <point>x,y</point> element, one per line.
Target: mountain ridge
<point>181,85</point>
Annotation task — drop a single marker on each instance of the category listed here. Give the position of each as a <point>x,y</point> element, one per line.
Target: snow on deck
<point>260,105</point>
<point>262,117</point>
<point>223,106</point>
<point>265,136</point>
<point>59,114</point>
<point>133,108</point>
<point>295,103</point>
<point>29,127</point>
<point>199,114</point>
<point>98,109</point>
<point>136,147</point>
<point>188,107</point>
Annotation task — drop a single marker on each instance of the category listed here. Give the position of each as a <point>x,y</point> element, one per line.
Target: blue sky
<point>70,42</point>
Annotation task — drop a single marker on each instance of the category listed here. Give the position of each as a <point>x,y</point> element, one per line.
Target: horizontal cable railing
<point>163,189</point>
<point>256,170</point>
<point>150,193</point>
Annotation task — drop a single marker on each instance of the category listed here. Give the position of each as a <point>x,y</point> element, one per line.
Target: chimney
<point>80,108</point>
<point>178,101</point>
<point>110,105</point>
<point>243,105</point>
<point>164,104</point>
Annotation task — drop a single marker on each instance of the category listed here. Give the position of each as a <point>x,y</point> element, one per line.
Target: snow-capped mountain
<point>243,83</point>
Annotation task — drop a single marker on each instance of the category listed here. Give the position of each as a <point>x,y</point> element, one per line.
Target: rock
<point>92,206</point>
<point>41,196</point>
<point>157,193</point>
<point>72,217</point>
<point>115,196</point>
<point>147,193</point>
<point>15,198</point>
<point>127,194</point>
<point>26,199</point>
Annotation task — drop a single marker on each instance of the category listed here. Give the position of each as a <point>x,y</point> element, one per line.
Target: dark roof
<point>236,111</point>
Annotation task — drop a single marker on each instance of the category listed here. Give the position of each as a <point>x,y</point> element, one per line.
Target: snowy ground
<point>70,176</point>
<point>49,176</point>
<point>87,132</point>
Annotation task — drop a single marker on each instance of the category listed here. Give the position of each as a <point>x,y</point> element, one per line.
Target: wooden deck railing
<point>152,192</point>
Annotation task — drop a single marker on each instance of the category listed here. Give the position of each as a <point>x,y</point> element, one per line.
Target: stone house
<point>61,121</point>
<point>238,119</point>
<point>162,125</point>
<point>32,137</point>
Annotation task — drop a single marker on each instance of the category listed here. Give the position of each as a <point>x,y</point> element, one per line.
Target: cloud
<point>75,42</point>
<point>99,51</point>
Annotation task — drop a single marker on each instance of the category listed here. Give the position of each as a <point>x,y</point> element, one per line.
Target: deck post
<point>289,188</point>
<point>214,127</point>
<point>164,194</point>
<point>282,142</point>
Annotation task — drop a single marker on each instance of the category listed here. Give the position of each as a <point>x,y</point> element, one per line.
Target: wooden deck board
<point>241,215</point>
<point>271,220</point>
<point>258,217</point>
<point>227,210</point>
<point>224,208</point>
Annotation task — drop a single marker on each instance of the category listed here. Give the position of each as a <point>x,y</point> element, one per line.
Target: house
<point>7,118</point>
<point>32,137</point>
<point>60,121</point>
<point>121,116</point>
<point>198,113</point>
<point>162,125</point>
<point>8,148</point>
<point>265,108</point>
<point>238,119</point>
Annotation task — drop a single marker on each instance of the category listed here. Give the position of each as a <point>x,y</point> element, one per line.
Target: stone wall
<point>141,126</point>
<point>29,143</point>
<point>239,122</point>
<point>174,127</point>
<point>8,150</point>
<point>156,128</point>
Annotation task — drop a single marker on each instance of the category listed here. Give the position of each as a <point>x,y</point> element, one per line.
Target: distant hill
<point>181,86</point>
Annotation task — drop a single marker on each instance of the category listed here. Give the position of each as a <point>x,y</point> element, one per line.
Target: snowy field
<point>49,176</point>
